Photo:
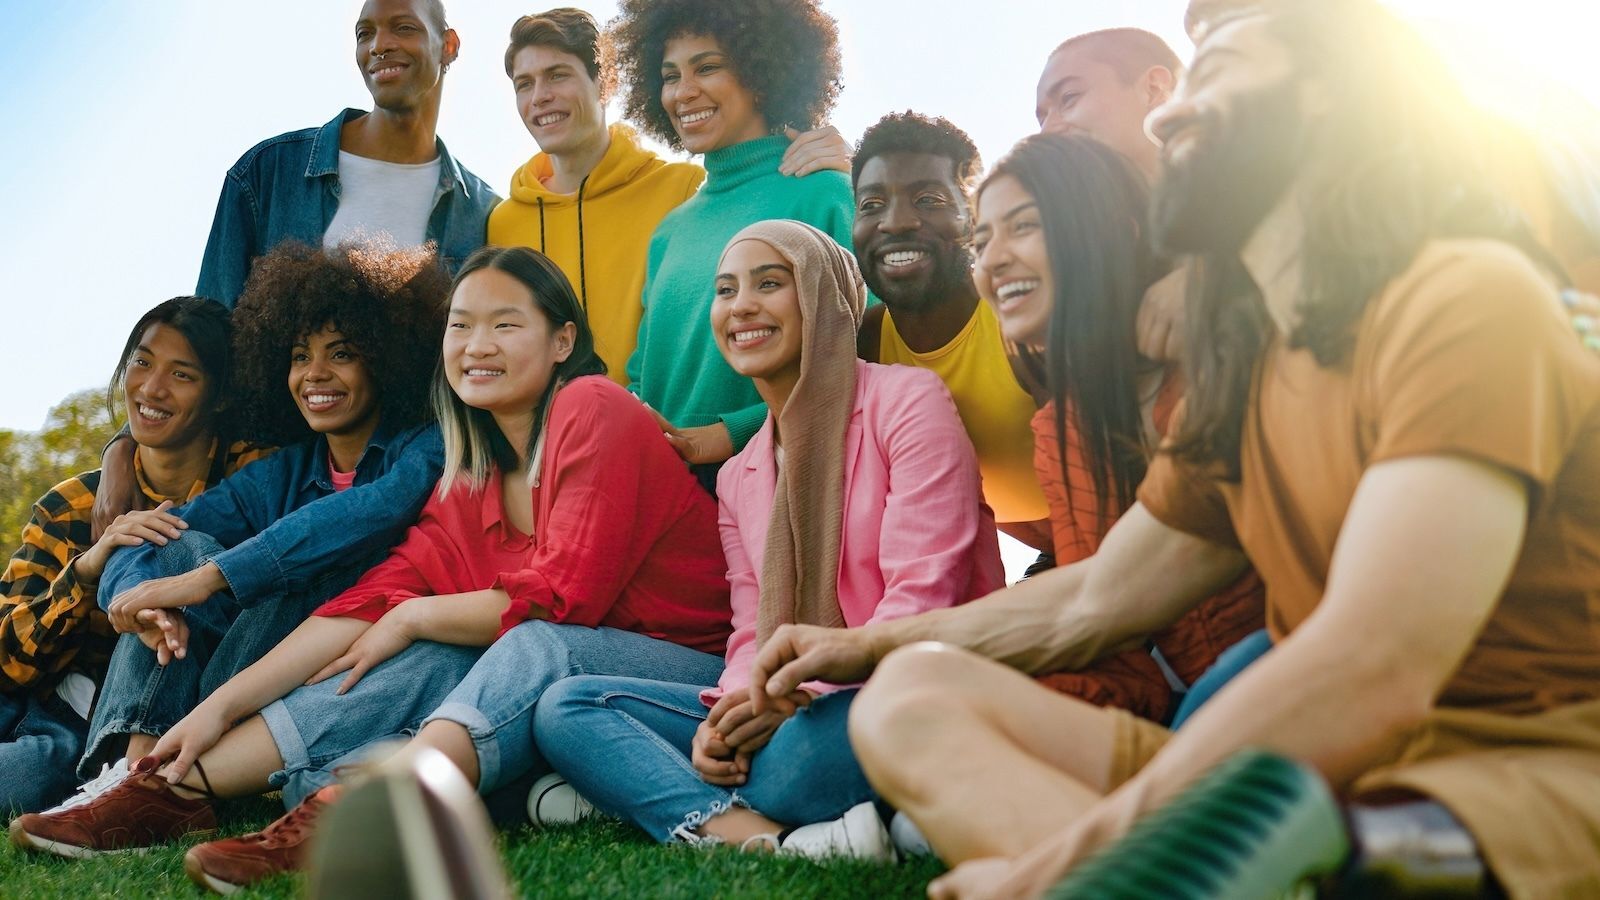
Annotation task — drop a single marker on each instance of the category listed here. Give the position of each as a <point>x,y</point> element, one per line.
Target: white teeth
<point>321,399</point>
<point>1015,288</point>
<point>384,70</point>
<point>475,373</point>
<point>752,335</point>
<point>548,118</point>
<point>903,257</point>
<point>692,118</point>
<point>150,412</point>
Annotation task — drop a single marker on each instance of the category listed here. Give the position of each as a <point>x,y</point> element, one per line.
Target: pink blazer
<point>917,534</point>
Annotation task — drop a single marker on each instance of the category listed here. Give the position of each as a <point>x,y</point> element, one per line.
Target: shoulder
<point>71,499</point>
<point>595,402</point>
<point>895,393</point>
<point>272,149</point>
<point>1469,275</point>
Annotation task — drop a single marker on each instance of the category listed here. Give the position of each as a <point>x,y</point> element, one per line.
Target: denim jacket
<point>284,527</point>
<point>287,188</point>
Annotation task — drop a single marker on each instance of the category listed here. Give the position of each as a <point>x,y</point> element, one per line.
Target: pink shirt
<point>917,534</point>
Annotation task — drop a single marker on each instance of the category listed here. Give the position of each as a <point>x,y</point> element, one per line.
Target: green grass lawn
<point>591,859</point>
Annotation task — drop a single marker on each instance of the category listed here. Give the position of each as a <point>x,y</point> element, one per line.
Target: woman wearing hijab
<point>861,470</point>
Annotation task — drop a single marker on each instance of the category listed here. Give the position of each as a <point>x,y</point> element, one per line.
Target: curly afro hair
<point>388,303</point>
<point>786,52</point>
<point>911,132</point>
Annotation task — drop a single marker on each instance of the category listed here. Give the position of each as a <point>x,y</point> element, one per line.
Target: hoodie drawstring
<point>541,224</point>
<point>583,273</point>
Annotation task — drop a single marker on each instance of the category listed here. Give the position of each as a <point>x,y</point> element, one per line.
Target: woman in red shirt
<point>565,532</point>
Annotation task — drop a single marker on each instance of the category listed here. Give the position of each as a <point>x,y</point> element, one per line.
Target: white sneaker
<point>859,834</point>
<point>111,774</point>
<point>554,802</point>
<point>907,837</point>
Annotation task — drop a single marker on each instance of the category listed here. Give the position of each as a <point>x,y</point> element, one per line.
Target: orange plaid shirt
<point>50,623</point>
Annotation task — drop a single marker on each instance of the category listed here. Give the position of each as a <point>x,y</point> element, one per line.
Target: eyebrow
<point>184,363</point>
<point>299,344</point>
<point>504,310</point>
<point>767,267</point>
<point>695,58</point>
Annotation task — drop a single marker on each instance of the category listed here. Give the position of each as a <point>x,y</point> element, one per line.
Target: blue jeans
<point>318,730</point>
<point>497,699</point>
<point>141,696</point>
<point>624,744</point>
<point>40,741</point>
<point>1231,662</point>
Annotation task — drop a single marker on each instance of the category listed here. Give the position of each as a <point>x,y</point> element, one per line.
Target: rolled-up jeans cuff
<point>286,734</point>
<point>483,740</point>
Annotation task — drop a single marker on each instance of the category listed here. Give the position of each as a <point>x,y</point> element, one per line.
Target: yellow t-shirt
<point>996,411</point>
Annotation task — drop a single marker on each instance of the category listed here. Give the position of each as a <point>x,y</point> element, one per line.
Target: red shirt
<point>623,535</point>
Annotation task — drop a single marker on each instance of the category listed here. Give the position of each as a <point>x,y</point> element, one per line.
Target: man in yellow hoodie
<point>593,195</point>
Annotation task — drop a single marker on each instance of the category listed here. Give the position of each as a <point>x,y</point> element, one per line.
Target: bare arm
<point>1422,559</point>
<point>318,641</point>
<point>1145,577</point>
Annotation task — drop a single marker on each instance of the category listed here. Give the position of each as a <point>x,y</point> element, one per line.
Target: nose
<point>899,217</point>
<point>1164,119</point>
<point>994,258</point>
<point>541,92</point>
<point>156,386</point>
<point>688,87</point>
<point>383,40</point>
<point>480,343</point>
<point>745,304</point>
<point>317,369</point>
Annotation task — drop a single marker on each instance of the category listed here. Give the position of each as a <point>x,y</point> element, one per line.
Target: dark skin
<point>400,129</point>
<point>911,203</point>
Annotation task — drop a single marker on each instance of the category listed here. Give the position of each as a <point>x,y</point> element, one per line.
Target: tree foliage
<point>31,463</point>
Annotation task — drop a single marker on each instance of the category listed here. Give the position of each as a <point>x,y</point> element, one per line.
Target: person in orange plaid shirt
<point>54,641</point>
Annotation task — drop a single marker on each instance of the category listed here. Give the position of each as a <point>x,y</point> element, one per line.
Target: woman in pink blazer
<point>862,472</point>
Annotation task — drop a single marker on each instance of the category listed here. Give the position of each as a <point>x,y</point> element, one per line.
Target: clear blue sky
<point>124,116</point>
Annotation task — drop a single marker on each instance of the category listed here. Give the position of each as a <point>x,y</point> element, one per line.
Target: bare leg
<point>139,746</point>
<point>737,825</point>
<point>239,764</point>
<point>983,759</point>
<point>452,739</point>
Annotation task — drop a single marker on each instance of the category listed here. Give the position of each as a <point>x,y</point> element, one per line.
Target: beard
<point>949,276</point>
<point>1241,161</point>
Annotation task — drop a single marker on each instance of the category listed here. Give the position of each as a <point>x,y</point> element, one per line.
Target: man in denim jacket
<point>363,174</point>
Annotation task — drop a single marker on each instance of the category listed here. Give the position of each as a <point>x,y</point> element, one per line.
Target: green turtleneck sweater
<point>676,367</point>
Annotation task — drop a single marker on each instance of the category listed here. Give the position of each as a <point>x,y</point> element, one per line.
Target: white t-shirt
<point>383,198</point>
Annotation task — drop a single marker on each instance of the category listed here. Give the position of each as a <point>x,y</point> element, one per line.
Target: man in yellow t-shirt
<point>912,176</point>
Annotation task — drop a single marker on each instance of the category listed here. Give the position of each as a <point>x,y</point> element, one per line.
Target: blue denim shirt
<point>284,527</point>
<point>287,188</point>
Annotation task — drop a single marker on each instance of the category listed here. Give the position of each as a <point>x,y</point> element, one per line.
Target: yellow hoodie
<point>618,208</point>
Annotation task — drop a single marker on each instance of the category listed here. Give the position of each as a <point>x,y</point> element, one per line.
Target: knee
<point>916,690</point>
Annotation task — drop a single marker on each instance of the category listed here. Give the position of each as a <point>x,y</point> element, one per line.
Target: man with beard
<point>913,178</point>
<point>1383,367</point>
<point>363,175</point>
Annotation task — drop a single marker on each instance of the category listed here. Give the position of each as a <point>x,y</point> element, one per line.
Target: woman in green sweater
<point>724,78</point>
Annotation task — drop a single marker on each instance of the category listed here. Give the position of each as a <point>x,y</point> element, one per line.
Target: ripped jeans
<point>623,743</point>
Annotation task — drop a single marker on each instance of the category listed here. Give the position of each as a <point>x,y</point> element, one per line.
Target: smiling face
<point>1231,141</point>
<point>1013,263</point>
<point>709,107</point>
<point>167,393</point>
<point>413,47</point>
<point>756,313</point>
<point>331,384</point>
<point>910,228</point>
<point>500,349</point>
<point>1079,94</point>
<point>558,101</point>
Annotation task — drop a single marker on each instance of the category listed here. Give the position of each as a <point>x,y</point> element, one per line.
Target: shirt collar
<point>325,155</point>
<point>377,445</point>
<point>195,489</point>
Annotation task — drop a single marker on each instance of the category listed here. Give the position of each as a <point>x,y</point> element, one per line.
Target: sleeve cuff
<point>251,572</point>
<point>743,424</point>
<point>527,590</point>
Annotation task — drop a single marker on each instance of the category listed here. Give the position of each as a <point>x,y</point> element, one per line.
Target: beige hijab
<point>800,571</point>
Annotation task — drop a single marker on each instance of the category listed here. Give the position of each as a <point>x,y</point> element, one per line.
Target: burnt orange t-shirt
<point>1467,353</point>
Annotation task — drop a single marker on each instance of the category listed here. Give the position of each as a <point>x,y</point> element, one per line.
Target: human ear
<point>1158,85</point>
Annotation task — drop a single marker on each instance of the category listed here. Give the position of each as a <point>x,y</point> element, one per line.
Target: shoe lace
<point>291,828</point>
<point>110,776</point>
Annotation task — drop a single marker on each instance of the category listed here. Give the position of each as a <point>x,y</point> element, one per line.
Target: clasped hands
<point>151,609</point>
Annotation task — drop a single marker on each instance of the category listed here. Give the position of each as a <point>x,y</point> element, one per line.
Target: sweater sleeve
<point>604,515</point>
<point>44,608</point>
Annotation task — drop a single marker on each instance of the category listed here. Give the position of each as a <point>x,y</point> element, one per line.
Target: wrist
<point>85,569</point>
<point>209,578</point>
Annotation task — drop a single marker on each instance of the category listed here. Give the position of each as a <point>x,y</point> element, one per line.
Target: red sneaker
<point>140,812</point>
<point>225,866</point>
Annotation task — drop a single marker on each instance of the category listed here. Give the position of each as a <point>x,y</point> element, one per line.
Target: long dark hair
<point>205,324</point>
<point>1396,164</point>
<point>472,440</point>
<point>1092,204</point>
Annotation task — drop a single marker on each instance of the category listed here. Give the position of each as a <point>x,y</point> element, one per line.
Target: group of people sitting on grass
<point>674,493</point>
